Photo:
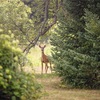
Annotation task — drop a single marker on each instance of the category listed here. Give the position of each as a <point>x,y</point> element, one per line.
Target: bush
<point>15,84</point>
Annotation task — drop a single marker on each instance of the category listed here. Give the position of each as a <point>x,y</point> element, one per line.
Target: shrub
<point>15,84</point>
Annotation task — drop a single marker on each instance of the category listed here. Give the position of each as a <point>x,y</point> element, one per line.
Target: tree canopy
<point>28,20</point>
<point>14,18</point>
<point>44,16</point>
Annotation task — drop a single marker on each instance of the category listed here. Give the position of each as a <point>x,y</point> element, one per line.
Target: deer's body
<point>44,59</point>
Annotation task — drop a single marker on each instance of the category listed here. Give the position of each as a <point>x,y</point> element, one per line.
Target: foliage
<point>15,84</point>
<point>41,11</point>
<point>29,20</point>
<point>76,52</point>
<point>14,18</point>
<point>44,17</point>
<point>76,7</point>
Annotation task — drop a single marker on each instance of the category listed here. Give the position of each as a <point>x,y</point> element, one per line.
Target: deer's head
<point>42,47</point>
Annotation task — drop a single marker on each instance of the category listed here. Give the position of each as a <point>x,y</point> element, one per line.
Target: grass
<point>52,90</point>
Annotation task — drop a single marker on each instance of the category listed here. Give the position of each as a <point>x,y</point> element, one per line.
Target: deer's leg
<point>41,67</point>
<point>46,67</point>
<point>50,67</point>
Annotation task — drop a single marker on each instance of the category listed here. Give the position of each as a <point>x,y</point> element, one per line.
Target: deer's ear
<point>39,46</point>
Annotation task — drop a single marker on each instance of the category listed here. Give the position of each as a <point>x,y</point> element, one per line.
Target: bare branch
<point>31,44</point>
<point>44,28</point>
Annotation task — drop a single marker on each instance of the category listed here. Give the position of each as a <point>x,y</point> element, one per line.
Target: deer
<point>44,60</point>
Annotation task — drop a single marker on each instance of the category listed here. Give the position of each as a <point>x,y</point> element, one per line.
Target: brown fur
<point>44,59</point>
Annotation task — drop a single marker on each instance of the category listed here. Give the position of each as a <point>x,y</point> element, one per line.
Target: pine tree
<point>76,52</point>
<point>76,7</point>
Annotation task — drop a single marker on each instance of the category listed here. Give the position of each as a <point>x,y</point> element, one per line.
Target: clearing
<point>53,91</point>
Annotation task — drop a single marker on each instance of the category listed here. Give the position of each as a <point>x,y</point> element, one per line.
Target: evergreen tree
<point>76,7</point>
<point>76,52</point>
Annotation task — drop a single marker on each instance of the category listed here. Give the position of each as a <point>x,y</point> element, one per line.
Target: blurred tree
<point>14,18</point>
<point>28,20</point>
<point>44,16</point>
